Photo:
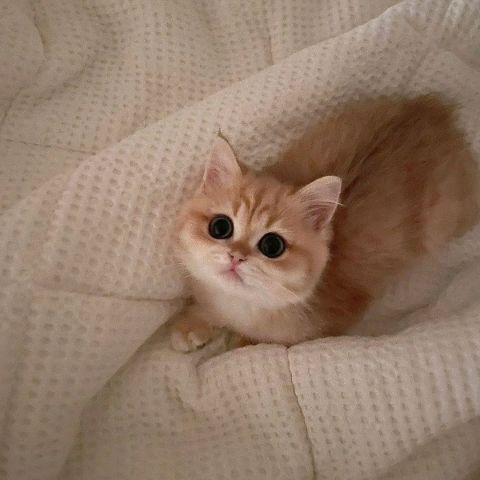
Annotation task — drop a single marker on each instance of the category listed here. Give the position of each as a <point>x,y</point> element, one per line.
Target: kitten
<point>270,255</point>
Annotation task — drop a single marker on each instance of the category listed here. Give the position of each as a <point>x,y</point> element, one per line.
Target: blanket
<point>108,109</point>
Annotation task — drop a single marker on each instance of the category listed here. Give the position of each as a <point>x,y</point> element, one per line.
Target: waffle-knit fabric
<point>108,109</point>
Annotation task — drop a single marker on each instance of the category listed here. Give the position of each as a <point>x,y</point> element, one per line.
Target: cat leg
<point>190,331</point>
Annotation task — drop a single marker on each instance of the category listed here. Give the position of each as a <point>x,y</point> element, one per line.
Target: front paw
<point>188,335</point>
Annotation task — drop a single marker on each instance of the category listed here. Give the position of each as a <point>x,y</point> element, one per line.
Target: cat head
<point>255,238</point>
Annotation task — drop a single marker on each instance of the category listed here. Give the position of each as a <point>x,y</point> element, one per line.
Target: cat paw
<point>184,339</point>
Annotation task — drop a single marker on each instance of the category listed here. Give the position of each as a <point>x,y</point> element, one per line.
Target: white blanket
<point>108,109</point>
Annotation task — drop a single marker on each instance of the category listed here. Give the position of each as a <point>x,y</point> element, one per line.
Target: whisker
<point>326,202</point>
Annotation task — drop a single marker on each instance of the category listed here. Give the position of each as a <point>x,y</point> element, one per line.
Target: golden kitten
<point>270,255</point>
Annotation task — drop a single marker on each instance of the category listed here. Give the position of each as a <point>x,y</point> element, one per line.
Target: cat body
<point>272,258</point>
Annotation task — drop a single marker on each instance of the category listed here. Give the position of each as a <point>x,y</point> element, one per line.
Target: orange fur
<point>409,186</point>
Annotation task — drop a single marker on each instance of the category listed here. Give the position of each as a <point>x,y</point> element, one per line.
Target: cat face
<point>253,237</point>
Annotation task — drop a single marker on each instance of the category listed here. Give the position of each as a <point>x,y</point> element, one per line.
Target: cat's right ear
<point>222,169</point>
<point>320,199</point>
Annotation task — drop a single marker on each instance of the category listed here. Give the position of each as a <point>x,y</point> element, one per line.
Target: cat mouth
<point>232,275</point>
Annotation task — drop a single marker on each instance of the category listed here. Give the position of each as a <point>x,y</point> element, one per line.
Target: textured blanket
<point>108,109</point>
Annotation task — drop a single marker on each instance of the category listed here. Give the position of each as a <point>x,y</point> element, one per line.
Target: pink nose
<point>235,259</point>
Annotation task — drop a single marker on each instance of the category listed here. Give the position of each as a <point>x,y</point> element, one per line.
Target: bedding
<point>107,112</point>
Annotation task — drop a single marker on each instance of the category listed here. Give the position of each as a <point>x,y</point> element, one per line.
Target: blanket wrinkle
<point>112,108</point>
<point>309,441</point>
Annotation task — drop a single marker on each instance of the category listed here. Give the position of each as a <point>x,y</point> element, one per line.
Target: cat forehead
<point>264,203</point>
<point>264,216</point>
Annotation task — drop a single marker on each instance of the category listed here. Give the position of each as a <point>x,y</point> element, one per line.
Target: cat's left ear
<point>222,169</point>
<point>320,200</point>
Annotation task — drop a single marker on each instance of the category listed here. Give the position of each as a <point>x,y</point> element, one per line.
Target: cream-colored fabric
<point>108,110</point>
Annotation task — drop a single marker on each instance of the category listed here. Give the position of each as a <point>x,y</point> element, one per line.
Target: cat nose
<point>236,258</point>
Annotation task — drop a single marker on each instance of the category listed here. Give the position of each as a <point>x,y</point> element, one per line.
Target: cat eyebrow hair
<point>236,206</point>
<point>271,220</point>
<point>258,201</point>
<point>245,199</point>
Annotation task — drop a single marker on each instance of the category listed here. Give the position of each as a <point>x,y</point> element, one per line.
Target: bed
<point>108,110</point>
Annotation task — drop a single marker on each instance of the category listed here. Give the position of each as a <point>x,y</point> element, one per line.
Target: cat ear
<point>222,169</point>
<point>320,200</point>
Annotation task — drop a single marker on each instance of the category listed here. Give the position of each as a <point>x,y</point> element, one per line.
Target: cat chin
<point>229,282</point>
<point>250,295</point>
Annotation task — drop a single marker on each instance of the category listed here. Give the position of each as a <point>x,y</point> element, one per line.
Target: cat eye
<point>272,245</point>
<point>220,227</point>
